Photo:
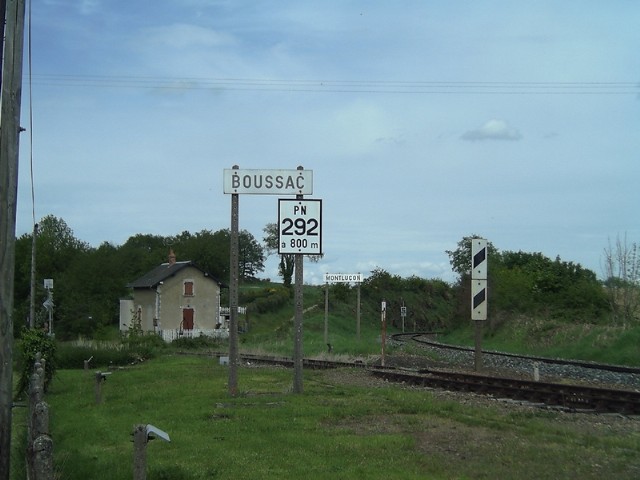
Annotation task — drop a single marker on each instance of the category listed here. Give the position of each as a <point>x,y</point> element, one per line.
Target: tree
<point>622,272</point>
<point>530,283</point>
<point>287,260</point>
<point>251,255</point>
<point>57,249</point>
<point>460,258</point>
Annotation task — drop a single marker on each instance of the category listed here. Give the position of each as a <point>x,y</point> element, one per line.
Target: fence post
<point>140,452</point>
<point>39,443</point>
<point>34,398</point>
<point>42,444</point>
<point>99,380</point>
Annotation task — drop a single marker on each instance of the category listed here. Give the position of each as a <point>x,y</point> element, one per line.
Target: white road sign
<point>343,278</point>
<point>300,226</point>
<point>268,182</point>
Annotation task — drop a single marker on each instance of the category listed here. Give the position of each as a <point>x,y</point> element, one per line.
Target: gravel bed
<point>526,368</point>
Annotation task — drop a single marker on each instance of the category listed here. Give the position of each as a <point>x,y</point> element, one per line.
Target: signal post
<point>478,293</point>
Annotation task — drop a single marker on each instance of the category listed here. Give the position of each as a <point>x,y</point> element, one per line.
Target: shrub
<point>195,343</point>
<point>72,356</point>
<point>31,343</point>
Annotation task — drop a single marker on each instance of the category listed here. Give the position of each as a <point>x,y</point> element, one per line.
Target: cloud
<point>183,36</point>
<point>492,130</point>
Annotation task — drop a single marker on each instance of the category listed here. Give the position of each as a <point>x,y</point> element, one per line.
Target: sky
<point>422,121</point>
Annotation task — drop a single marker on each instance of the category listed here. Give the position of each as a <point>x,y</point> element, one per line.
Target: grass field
<point>344,426</point>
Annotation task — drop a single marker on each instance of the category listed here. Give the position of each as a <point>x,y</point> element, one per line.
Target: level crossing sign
<point>300,226</point>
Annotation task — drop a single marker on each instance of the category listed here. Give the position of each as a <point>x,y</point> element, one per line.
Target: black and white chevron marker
<point>478,279</point>
<point>478,299</point>
<point>479,259</point>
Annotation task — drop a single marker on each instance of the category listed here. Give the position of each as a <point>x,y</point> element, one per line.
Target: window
<point>188,288</point>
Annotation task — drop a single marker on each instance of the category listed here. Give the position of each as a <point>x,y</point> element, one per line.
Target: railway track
<point>427,339</point>
<point>570,397</point>
<point>577,398</point>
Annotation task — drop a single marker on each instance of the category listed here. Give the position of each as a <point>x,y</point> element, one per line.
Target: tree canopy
<point>88,282</point>
<point>531,282</point>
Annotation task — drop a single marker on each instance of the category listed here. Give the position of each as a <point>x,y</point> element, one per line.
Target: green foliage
<point>530,283</point>
<point>265,300</point>
<point>430,304</point>
<point>202,342</point>
<point>460,258</point>
<point>88,282</point>
<point>72,356</point>
<point>32,342</point>
<point>143,346</point>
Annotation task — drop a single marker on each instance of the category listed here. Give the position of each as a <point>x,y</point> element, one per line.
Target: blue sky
<point>422,121</point>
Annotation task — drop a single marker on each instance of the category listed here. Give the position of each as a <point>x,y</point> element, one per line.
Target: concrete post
<point>140,452</point>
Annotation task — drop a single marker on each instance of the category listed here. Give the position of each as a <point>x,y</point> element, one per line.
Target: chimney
<point>172,257</point>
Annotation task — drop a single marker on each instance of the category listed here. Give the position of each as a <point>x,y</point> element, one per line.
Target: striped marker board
<point>478,279</point>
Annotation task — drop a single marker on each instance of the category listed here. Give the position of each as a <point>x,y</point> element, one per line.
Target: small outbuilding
<point>175,299</point>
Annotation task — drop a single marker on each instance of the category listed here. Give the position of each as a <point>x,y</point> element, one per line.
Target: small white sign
<point>48,283</point>
<point>343,278</point>
<point>300,226</point>
<point>268,182</point>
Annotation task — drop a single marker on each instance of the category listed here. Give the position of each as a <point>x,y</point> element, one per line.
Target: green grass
<point>335,429</point>
<point>598,343</point>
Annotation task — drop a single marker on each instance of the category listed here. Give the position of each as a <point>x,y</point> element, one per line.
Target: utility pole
<point>32,300</point>
<point>9,142</point>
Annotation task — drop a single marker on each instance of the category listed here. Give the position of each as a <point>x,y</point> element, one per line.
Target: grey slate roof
<point>152,278</point>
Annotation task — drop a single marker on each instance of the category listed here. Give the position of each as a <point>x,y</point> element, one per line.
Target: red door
<point>187,318</point>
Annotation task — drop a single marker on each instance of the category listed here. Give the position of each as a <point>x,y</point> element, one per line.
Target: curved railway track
<point>571,397</point>
<point>425,338</point>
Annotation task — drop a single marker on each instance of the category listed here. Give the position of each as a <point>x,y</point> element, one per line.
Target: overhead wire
<point>338,86</point>
<point>29,66</point>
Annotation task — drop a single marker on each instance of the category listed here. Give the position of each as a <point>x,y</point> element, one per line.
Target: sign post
<point>342,278</point>
<point>383,315</point>
<point>478,293</point>
<point>238,181</point>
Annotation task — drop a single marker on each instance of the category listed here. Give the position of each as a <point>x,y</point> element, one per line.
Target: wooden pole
<point>478,345</point>
<point>9,143</point>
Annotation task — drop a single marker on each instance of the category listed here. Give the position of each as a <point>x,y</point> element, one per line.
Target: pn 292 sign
<point>300,226</point>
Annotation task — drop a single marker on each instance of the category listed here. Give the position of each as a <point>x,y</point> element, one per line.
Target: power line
<point>338,86</point>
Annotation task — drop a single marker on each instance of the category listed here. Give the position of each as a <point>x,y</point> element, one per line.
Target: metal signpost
<point>478,293</point>
<point>296,182</point>
<point>356,278</point>
<point>383,318</point>
<point>48,303</point>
